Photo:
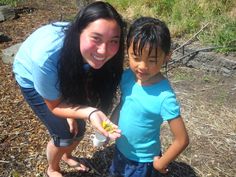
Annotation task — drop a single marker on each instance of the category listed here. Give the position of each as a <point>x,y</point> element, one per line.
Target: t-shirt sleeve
<point>126,78</point>
<point>170,108</point>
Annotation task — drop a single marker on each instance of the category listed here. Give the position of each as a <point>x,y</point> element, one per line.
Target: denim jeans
<point>123,167</point>
<point>57,127</point>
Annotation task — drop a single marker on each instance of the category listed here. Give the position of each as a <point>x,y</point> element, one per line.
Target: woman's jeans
<point>57,127</point>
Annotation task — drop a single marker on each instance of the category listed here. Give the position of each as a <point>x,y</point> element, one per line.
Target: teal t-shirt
<point>144,108</point>
<point>35,64</point>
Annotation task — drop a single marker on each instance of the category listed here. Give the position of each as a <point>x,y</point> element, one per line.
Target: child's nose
<point>143,65</point>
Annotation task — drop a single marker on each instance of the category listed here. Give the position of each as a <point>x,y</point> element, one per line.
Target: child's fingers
<point>162,170</point>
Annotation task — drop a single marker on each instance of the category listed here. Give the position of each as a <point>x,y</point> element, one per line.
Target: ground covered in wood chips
<point>207,100</point>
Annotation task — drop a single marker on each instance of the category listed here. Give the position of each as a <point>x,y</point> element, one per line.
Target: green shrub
<point>221,34</point>
<point>10,2</point>
<point>185,18</point>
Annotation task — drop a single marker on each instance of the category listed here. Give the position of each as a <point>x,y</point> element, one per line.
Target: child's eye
<point>152,61</point>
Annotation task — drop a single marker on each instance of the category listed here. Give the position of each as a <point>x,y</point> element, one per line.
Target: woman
<point>68,73</point>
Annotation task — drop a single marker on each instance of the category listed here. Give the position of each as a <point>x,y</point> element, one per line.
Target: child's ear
<point>168,57</point>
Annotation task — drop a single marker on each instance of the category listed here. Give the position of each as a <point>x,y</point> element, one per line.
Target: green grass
<point>185,18</point>
<point>10,2</point>
<point>221,97</point>
<point>182,76</point>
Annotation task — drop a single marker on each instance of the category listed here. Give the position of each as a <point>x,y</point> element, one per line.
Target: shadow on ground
<point>101,160</point>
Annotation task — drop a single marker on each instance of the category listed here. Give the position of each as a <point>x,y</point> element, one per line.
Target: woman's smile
<point>99,42</point>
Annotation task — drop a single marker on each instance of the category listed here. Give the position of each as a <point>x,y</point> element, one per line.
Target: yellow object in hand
<point>107,126</point>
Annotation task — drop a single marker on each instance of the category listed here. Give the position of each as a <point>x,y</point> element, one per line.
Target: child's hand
<point>157,164</point>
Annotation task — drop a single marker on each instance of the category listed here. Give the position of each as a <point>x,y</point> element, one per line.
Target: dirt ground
<point>207,101</point>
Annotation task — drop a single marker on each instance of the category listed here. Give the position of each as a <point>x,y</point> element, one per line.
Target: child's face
<point>146,66</point>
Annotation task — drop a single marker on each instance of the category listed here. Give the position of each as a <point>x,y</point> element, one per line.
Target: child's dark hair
<point>94,87</point>
<point>148,30</point>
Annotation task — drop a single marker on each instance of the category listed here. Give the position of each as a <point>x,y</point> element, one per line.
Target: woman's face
<point>99,42</point>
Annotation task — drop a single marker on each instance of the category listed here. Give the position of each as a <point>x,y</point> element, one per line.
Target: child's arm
<point>180,142</point>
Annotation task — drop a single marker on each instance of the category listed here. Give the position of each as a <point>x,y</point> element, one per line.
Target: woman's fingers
<point>114,136</point>
<point>72,126</point>
<point>100,121</point>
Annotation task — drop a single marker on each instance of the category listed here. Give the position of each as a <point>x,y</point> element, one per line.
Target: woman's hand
<point>73,126</point>
<point>97,118</point>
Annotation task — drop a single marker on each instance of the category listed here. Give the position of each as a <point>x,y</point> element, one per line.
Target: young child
<point>147,100</point>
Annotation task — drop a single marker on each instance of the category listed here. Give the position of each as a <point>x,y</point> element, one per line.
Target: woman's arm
<point>63,110</point>
<point>96,118</point>
<point>180,142</point>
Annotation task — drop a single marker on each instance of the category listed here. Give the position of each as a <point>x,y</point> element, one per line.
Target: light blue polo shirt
<point>144,108</point>
<point>35,64</point>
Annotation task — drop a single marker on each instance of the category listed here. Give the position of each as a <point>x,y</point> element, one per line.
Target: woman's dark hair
<point>95,87</point>
<point>148,30</point>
